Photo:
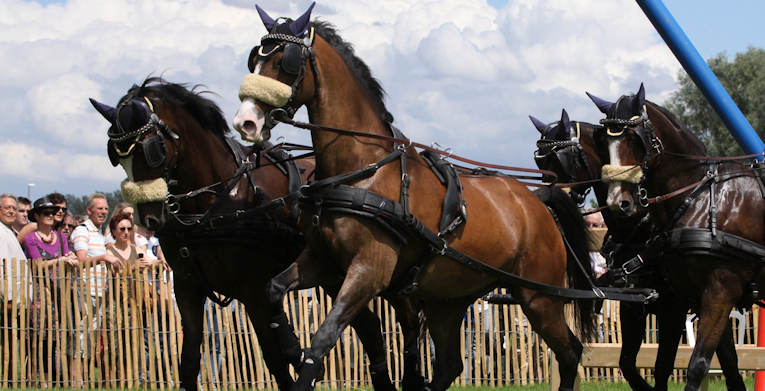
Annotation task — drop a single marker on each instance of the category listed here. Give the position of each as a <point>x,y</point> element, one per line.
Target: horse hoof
<point>311,371</point>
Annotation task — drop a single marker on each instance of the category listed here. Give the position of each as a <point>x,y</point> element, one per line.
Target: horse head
<point>147,128</point>
<point>566,148</point>
<point>628,144</point>
<point>281,78</point>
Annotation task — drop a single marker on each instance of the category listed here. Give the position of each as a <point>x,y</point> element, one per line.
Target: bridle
<point>154,147</point>
<point>293,62</point>
<point>641,126</point>
<point>569,154</point>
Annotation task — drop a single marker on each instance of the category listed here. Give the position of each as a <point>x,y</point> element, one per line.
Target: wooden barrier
<point>134,339</point>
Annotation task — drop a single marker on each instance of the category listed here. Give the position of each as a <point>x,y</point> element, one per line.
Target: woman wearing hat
<point>45,247</point>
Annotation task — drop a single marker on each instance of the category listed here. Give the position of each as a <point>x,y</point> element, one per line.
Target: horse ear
<point>267,20</point>
<point>541,126</point>
<point>299,26</point>
<point>107,111</point>
<point>639,100</point>
<point>603,105</point>
<point>564,121</point>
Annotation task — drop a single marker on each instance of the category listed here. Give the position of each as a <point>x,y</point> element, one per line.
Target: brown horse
<point>568,149</point>
<point>509,228</point>
<point>694,201</point>
<point>219,218</point>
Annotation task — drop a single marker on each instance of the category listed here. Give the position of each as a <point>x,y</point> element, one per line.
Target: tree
<point>744,79</point>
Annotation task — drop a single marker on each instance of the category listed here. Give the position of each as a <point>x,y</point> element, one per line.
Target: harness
<point>259,224</point>
<point>688,241</point>
<point>335,195</point>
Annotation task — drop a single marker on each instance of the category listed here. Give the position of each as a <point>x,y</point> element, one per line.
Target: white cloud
<point>458,72</point>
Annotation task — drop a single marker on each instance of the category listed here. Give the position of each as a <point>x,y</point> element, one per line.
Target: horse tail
<point>578,267</point>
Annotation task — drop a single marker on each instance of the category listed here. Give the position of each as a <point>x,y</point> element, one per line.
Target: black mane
<point>203,110</point>
<point>359,69</point>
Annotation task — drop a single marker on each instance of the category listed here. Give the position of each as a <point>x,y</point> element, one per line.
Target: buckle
<point>184,252</point>
<point>633,265</point>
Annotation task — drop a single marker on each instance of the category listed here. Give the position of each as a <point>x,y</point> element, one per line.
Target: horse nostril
<point>249,126</point>
<point>625,206</point>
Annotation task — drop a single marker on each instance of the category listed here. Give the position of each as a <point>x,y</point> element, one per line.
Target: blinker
<point>292,60</point>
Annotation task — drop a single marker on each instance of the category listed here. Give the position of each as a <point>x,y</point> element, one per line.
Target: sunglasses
<point>60,209</point>
<point>71,226</point>
<point>48,212</point>
<point>123,229</point>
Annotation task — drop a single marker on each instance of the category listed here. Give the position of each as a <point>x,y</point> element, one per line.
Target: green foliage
<point>744,79</point>
<point>77,205</point>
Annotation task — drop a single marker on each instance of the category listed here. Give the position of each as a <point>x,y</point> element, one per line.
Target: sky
<point>463,73</point>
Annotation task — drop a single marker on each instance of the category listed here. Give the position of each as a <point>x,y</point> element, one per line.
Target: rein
<point>276,116</point>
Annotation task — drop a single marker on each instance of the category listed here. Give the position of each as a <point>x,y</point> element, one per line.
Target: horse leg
<point>297,274</point>
<point>546,316</point>
<point>726,354</point>
<point>269,341</point>
<point>444,321</point>
<point>671,322</point>
<point>191,307</point>
<point>367,326</point>
<point>632,319</point>
<point>716,303</point>
<point>361,284</point>
<point>411,322</point>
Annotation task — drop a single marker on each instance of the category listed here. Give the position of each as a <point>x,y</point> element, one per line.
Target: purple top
<point>36,248</point>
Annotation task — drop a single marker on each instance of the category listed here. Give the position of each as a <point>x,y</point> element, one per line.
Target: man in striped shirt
<point>89,246</point>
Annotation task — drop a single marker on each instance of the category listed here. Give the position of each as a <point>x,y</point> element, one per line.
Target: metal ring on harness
<point>643,196</point>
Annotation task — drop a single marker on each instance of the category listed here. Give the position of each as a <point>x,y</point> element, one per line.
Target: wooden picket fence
<point>134,338</point>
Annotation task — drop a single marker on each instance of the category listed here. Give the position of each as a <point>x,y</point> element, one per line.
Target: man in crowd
<point>597,228</point>
<point>11,273</point>
<point>22,215</point>
<point>89,246</point>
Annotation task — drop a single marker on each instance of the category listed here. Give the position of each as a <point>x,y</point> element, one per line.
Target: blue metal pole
<point>700,73</point>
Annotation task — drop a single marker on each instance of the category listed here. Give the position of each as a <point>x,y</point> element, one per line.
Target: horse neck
<point>342,102</point>
<point>670,173</point>
<point>206,160</point>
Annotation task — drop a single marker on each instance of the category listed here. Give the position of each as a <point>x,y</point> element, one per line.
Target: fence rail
<point>57,330</point>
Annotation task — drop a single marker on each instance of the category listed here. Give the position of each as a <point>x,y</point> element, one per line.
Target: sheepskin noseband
<point>614,173</point>
<point>144,191</point>
<point>265,89</point>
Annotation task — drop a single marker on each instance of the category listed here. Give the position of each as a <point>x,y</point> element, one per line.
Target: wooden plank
<point>607,355</point>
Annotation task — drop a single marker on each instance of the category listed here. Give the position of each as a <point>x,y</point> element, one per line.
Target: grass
<point>716,384</point>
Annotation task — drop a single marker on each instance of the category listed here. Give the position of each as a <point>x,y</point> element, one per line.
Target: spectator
<point>90,248</point>
<point>22,214</point>
<point>136,239</point>
<point>9,247</point>
<point>46,247</point>
<point>597,229</point>
<point>10,250</point>
<point>59,201</point>
<point>68,227</point>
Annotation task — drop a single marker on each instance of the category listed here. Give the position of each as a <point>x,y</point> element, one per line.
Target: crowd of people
<point>44,235</point>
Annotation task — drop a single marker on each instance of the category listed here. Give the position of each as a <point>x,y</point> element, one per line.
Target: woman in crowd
<point>46,248</point>
<point>59,203</point>
<point>123,207</point>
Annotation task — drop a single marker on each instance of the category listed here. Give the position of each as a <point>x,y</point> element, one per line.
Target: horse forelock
<point>358,67</point>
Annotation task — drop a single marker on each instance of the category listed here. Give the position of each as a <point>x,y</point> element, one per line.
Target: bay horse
<point>303,63</point>
<point>694,201</point>
<point>219,211</point>
<point>568,148</point>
